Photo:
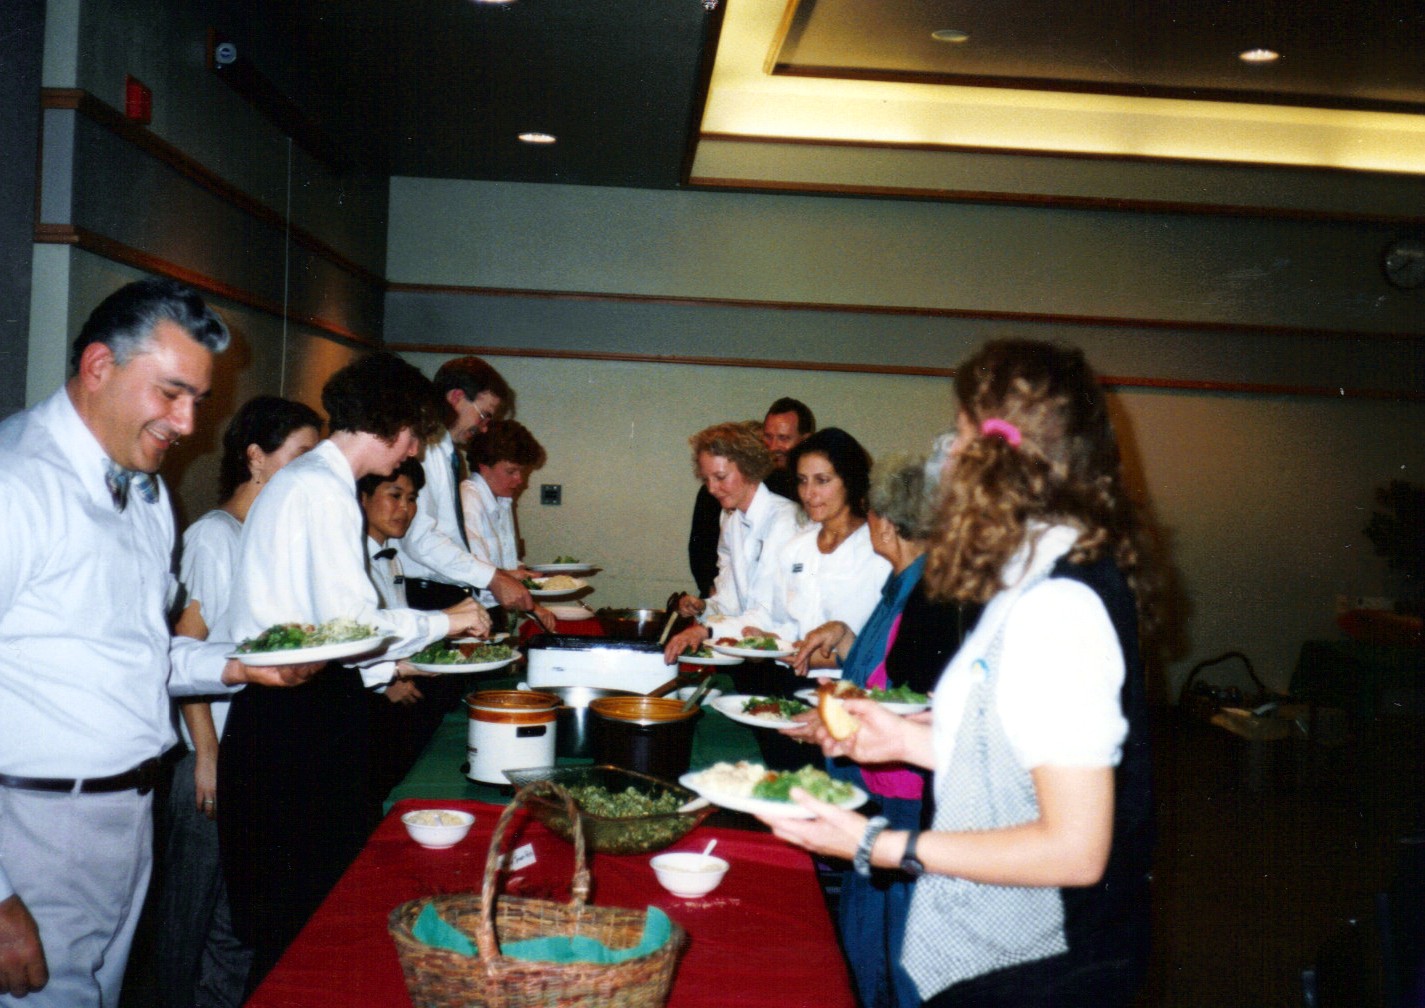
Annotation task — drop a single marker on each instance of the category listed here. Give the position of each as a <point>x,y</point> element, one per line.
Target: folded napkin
<point>434,930</point>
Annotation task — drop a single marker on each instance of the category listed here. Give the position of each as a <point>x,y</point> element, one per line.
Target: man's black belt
<point>142,778</point>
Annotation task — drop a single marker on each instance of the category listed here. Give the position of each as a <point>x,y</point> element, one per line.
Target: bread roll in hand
<point>840,722</point>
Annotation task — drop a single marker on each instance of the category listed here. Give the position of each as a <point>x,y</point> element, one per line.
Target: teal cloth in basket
<point>434,930</point>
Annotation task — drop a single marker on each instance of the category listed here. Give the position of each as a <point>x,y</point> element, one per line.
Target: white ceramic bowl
<point>438,828</point>
<point>684,692</point>
<point>687,873</point>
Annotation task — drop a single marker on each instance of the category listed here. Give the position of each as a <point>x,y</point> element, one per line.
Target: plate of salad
<point>300,643</point>
<point>751,787</point>
<point>900,700</point>
<point>444,657</point>
<point>705,655</point>
<point>757,646</point>
<point>760,711</point>
<point>554,586</point>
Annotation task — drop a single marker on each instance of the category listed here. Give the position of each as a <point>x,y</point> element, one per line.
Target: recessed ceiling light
<point>1259,55</point>
<point>538,138</point>
<point>950,35</point>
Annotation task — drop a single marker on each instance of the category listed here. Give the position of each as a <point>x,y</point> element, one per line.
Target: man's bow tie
<point>118,480</point>
<point>385,554</point>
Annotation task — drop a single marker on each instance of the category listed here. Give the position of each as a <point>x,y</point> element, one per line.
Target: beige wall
<point>1262,498</point>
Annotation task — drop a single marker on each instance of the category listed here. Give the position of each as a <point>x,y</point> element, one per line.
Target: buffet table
<point>438,774</point>
<point>763,938</point>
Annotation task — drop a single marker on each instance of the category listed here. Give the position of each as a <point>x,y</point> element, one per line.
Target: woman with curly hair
<point>1032,885</point>
<point>731,461</point>
<point>293,807</point>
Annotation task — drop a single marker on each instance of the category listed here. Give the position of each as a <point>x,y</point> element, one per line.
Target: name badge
<point>796,568</point>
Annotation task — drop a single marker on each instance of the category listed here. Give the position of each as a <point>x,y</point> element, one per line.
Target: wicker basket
<point>439,978</point>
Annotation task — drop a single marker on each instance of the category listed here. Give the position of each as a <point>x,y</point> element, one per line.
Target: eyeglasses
<point>487,417</point>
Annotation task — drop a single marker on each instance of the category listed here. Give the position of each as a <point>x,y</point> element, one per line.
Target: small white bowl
<point>686,691</point>
<point>688,873</point>
<point>438,829</point>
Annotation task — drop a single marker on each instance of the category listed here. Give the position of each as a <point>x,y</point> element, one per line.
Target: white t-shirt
<point>812,587</point>
<point>746,550</point>
<point>489,528</point>
<point>210,551</point>
<point>1061,668</point>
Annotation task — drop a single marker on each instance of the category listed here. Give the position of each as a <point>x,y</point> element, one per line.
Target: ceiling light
<point>1259,55</point>
<point>538,138</point>
<point>950,35</point>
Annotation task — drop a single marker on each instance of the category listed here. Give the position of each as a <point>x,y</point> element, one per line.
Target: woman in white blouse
<point>828,571</point>
<point>732,462</point>
<point>501,460</point>
<point>198,947</point>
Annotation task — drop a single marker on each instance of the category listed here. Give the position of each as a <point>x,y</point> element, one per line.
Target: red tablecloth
<point>762,938</point>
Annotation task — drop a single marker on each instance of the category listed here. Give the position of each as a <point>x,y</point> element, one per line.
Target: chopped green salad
<point>562,559</point>
<point>701,652</point>
<point>625,804</point>
<point>897,694</point>
<point>760,643</point>
<point>777,785</point>
<point>290,636</point>
<point>442,653</point>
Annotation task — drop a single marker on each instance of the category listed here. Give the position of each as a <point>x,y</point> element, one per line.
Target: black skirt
<point>294,807</point>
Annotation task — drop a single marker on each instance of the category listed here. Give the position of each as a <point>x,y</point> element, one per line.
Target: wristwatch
<point>910,864</point>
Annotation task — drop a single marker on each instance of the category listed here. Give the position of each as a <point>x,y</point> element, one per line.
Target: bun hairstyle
<point>1063,470</point>
<point>739,443</point>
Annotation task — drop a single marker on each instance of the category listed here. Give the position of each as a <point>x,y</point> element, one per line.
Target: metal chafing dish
<point>560,660</point>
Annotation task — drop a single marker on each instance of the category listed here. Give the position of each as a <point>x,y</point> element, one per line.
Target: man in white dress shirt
<point>501,460</point>
<point>87,661</point>
<point>438,563</point>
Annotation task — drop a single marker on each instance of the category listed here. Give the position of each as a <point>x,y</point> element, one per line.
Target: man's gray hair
<point>124,321</point>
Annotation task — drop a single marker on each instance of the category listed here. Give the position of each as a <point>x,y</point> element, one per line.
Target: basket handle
<point>579,889</point>
<point>1226,656</point>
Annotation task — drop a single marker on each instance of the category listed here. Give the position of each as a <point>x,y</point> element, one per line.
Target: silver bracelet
<point>862,861</point>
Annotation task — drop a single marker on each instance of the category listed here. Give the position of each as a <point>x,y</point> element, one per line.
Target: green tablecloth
<point>438,773</point>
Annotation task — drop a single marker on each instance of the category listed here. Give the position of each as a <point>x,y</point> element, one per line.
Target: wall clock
<point>1404,263</point>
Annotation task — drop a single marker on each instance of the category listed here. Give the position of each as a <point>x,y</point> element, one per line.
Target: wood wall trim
<point>1110,381</point>
<point>146,140</point>
<point>1050,199</point>
<point>108,248</point>
<point>977,314</point>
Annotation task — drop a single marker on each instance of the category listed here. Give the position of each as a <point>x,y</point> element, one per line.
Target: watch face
<point>1405,263</point>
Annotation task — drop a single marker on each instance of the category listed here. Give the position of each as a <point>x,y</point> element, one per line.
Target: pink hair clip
<point>1003,428</point>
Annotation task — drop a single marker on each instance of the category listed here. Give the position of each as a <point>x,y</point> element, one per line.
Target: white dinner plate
<point>784,651</point>
<point>498,638</point>
<point>562,568</point>
<point>717,659</point>
<point>320,653</point>
<point>571,611</point>
<point>488,666</point>
<point>809,695</point>
<point>760,806</point>
<point>731,706</point>
<point>557,592</point>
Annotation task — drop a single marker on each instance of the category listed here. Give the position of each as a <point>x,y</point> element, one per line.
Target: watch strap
<point>910,864</point>
<point>862,861</point>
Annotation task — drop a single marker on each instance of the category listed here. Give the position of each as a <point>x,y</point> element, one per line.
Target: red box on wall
<point>138,100</point>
